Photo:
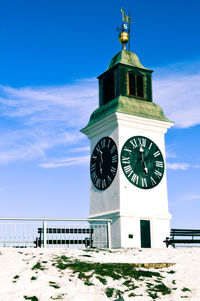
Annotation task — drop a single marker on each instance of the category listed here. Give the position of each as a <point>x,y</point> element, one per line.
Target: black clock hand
<point>101,162</point>
<point>141,150</point>
<point>145,166</point>
<point>100,168</point>
<point>101,153</point>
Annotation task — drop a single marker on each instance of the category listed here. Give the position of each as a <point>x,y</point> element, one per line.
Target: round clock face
<point>103,163</point>
<point>142,162</point>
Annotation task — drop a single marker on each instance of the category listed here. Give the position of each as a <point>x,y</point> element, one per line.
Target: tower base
<point>138,231</point>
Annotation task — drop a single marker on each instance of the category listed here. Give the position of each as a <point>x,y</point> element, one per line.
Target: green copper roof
<point>131,106</point>
<point>127,58</point>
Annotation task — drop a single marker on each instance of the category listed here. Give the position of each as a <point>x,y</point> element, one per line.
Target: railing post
<point>109,235</point>
<point>44,234</point>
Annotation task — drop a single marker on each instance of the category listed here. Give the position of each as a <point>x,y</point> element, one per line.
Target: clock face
<point>103,163</point>
<point>142,162</point>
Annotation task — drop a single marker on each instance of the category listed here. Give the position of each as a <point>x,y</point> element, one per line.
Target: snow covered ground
<point>75,275</point>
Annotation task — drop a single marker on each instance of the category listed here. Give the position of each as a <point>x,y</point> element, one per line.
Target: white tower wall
<point>123,202</point>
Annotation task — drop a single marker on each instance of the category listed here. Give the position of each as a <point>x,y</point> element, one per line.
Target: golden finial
<point>125,29</point>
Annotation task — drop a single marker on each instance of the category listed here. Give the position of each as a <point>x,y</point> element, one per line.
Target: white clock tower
<point>128,170</point>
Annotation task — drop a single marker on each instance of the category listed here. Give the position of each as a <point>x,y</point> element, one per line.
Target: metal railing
<point>62,233</point>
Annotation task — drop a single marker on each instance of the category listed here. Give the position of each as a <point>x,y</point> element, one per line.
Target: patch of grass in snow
<point>54,284</point>
<point>38,266</point>
<point>113,270</point>
<point>134,295</point>
<point>15,278</point>
<point>58,297</point>
<point>185,289</point>
<point>88,283</point>
<point>34,298</point>
<point>159,288</point>
<point>64,258</point>
<point>130,284</point>
<point>171,272</point>
<point>153,295</point>
<point>109,292</point>
<point>116,271</point>
<point>102,280</point>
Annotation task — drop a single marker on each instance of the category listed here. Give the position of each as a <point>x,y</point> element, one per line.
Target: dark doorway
<point>145,234</point>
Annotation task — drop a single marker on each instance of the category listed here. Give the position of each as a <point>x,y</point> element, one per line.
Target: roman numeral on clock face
<point>150,145</point>
<point>98,183</point>
<point>114,159</point>
<point>159,164</point>
<point>113,149</point>
<point>103,143</point>
<point>113,170</point>
<point>157,173</point>
<point>153,182</point>
<point>156,154</point>
<point>94,176</point>
<point>127,169</point>
<point>98,148</point>
<point>134,143</point>
<point>144,182</point>
<point>142,142</point>
<point>125,160</point>
<point>109,179</point>
<point>135,178</point>
<point>93,167</point>
<point>103,184</point>
<point>127,150</point>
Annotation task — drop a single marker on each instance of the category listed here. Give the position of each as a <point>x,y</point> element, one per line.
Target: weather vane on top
<point>124,30</point>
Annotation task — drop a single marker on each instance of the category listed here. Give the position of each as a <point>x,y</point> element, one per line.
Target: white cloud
<point>37,120</point>
<point>181,166</point>
<point>34,121</point>
<point>178,94</point>
<point>66,162</point>
<point>192,197</point>
<point>169,154</point>
<point>186,198</point>
<point>178,166</point>
<point>80,149</point>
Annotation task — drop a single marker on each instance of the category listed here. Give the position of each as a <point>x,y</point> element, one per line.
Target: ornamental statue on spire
<point>124,35</point>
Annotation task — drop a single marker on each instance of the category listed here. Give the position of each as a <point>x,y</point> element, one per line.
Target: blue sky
<point>50,55</point>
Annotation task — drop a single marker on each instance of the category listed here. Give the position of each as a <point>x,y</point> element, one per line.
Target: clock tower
<point>127,165</point>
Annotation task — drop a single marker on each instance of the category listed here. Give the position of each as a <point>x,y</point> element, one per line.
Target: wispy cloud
<point>177,92</point>
<point>169,154</point>
<point>181,166</point>
<point>79,149</point>
<point>38,120</point>
<point>44,122</point>
<point>186,198</point>
<point>66,162</point>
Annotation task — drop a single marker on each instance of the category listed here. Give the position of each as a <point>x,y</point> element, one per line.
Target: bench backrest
<point>67,230</point>
<point>184,232</point>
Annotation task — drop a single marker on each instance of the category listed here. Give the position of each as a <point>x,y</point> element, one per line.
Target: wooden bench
<point>188,237</point>
<point>87,241</point>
